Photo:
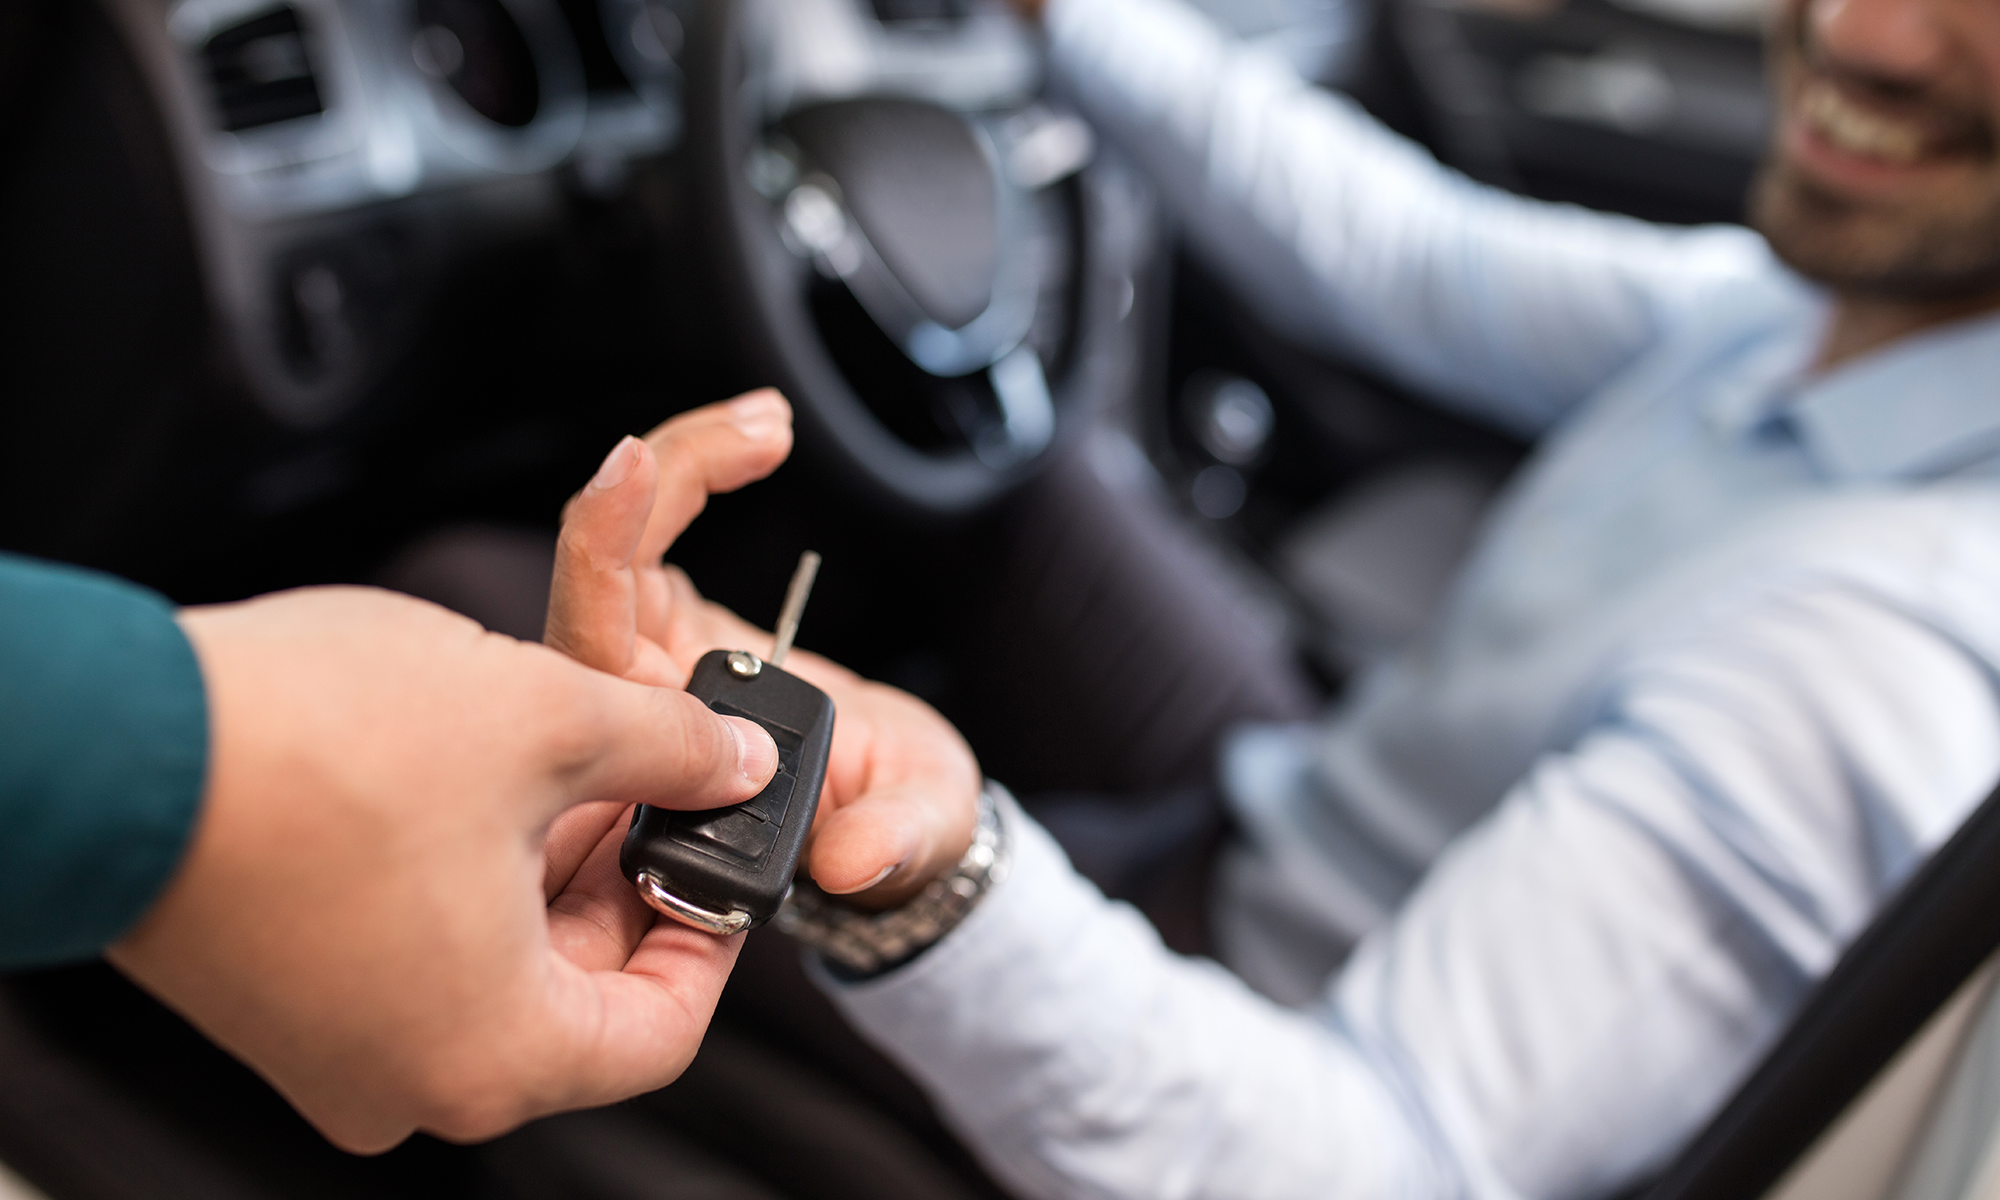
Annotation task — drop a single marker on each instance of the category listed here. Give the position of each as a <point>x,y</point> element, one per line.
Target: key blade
<point>795,606</point>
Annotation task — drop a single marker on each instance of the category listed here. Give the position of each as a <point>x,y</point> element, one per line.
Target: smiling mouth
<point>1867,133</point>
<point>1849,127</point>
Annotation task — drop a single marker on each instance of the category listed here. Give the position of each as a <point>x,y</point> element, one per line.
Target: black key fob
<point>728,869</point>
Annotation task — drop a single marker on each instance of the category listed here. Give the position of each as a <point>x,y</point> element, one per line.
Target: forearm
<point>1082,1058</point>
<point>1571,990</point>
<point>1345,237</point>
<point>102,763</point>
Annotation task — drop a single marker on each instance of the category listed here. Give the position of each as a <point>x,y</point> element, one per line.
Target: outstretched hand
<point>899,803</point>
<point>361,914</point>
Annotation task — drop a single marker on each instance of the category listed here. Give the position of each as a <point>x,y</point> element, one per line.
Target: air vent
<point>260,71</point>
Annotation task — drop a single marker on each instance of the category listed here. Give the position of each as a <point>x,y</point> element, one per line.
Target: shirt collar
<point>1922,405</point>
<point>1766,379</point>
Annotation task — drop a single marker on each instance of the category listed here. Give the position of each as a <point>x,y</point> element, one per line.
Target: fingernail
<point>617,465</point>
<point>880,875</point>
<point>756,753</point>
<point>759,415</point>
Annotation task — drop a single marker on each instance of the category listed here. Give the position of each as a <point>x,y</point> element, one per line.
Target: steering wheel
<point>900,229</point>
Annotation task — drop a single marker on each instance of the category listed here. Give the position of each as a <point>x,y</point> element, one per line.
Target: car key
<point>728,869</point>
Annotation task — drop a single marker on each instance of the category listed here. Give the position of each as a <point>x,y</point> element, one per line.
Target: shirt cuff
<point>103,762</point>
<point>993,1019</point>
<point>1020,1003</point>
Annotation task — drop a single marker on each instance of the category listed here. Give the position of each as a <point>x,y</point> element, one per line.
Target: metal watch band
<point>864,943</point>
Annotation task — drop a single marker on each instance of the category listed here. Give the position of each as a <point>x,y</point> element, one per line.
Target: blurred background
<point>362,290</point>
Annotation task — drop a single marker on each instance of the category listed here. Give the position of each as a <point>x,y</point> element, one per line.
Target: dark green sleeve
<point>103,748</point>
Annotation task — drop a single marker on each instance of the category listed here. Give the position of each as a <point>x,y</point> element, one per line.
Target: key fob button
<point>771,803</point>
<point>737,832</point>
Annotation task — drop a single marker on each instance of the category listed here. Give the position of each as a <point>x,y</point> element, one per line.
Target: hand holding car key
<point>899,799</point>
<point>728,869</point>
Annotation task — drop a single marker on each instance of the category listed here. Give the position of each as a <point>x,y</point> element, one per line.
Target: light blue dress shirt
<point>1720,673</point>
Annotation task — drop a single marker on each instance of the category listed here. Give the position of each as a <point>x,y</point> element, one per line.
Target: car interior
<point>314,291</point>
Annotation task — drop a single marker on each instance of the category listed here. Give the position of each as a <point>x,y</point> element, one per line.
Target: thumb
<point>629,743</point>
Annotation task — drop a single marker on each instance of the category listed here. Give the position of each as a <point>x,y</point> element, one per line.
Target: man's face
<point>1884,173</point>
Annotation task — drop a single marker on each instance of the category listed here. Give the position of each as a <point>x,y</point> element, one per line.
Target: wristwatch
<point>862,944</point>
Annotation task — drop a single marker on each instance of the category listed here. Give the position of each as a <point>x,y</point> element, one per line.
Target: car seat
<point>1868,1053</point>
